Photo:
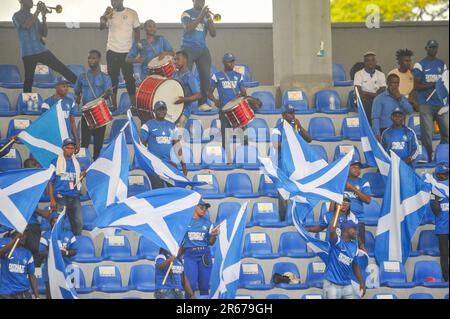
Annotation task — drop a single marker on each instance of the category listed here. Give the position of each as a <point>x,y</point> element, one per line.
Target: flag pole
<point>13,248</point>
<point>431,95</point>
<point>11,142</point>
<point>336,216</point>
<point>167,273</point>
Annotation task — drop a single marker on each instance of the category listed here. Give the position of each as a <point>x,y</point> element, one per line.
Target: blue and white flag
<point>227,258</point>
<point>438,189</point>
<point>162,215</point>
<point>404,204</point>
<point>442,88</point>
<point>44,137</point>
<point>60,283</point>
<point>20,192</point>
<point>374,152</point>
<point>107,177</point>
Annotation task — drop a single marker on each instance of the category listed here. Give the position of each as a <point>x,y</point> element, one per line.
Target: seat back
<point>257,243</point>
<point>147,248</point>
<point>9,73</point>
<point>392,271</point>
<point>213,185</point>
<point>296,98</point>
<point>265,213</point>
<point>246,154</point>
<point>106,277</point>
<point>11,161</point>
<point>284,267</point>
<point>320,150</point>
<point>116,246</point>
<point>89,215</point>
<point>227,209</point>
<point>266,186</point>
<point>29,102</point>
<point>193,131</point>
<point>339,72</point>
<point>5,104</point>
<point>84,247</point>
<point>428,241</point>
<point>441,153</point>
<point>258,131</point>
<point>292,242</point>
<point>251,274</point>
<point>267,99</point>
<point>213,154</point>
<point>350,128</point>
<point>238,183</point>
<point>327,100</point>
<point>142,275</point>
<point>315,273</point>
<point>321,127</point>
<point>138,184</point>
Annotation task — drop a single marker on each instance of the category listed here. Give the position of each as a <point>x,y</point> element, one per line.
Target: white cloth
<point>369,83</point>
<point>121,25</point>
<point>61,167</point>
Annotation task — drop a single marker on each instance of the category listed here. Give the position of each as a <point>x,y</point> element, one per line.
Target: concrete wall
<point>252,43</point>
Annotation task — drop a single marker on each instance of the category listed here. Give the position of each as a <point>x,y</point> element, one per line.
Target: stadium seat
<point>393,275</point>
<point>246,158</point>
<point>277,296</point>
<point>10,77</point>
<point>266,215</point>
<point>247,73</point>
<point>267,187</point>
<point>377,184</point>
<point>370,244</point>
<point>142,278</point>
<point>259,246</point>
<point>22,107</point>
<point>214,157</point>
<point>44,77</point>
<point>147,249</point>
<point>107,279</point>
<point>124,104</point>
<point>268,103</point>
<point>299,100</point>
<point>320,150</point>
<point>329,102</point>
<point>414,124</point>
<point>351,102</point>
<point>138,184</point>
<point>85,251</point>
<point>188,158</point>
<point>428,243</point>
<point>339,76</point>
<point>423,161</point>
<point>371,213</point>
<point>350,129</point>
<point>117,248</point>
<point>308,221</point>
<point>79,281</point>
<point>312,296</point>
<point>252,277</point>
<point>84,157</point>
<point>322,129</point>
<point>292,245</point>
<point>429,218</point>
<point>429,274</point>
<point>287,267</point>
<point>213,133</point>
<point>385,296</point>
<point>11,161</point>
<point>342,150</point>
<point>210,191</point>
<point>441,155</point>
<point>258,131</point>
<point>225,210</point>
<point>5,106</point>
<point>314,275</point>
<point>239,185</point>
<point>116,127</point>
<point>89,217</point>
<point>193,132</point>
<point>421,296</point>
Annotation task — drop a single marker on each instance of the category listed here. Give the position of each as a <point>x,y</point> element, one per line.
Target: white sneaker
<point>205,108</point>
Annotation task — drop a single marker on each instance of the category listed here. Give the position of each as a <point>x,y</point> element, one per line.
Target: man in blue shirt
<point>400,138</point>
<point>197,23</point>
<point>342,263</point>
<point>32,48</point>
<point>385,103</point>
<point>426,73</point>
<point>190,86</point>
<point>92,85</point>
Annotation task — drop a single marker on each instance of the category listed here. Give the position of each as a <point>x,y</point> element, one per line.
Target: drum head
<point>232,104</point>
<point>93,103</point>
<point>169,91</point>
<point>156,63</point>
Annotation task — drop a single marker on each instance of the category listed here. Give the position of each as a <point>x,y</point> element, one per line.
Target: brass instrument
<point>109,13</point>
<point>216,17</point>
<point>58,8</point>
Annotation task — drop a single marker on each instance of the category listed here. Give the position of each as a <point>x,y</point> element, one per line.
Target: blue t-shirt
<point>29,40</point>
<point>66,242</point>
<point>197,38</point>
<point>190,86</point>
<point>68,107</point>
<point>160,136</point>
<point>327,218</point>
<point>339,268</point>
<point>15,271</point>
<point>198,233</point>
<point>65,184</point>
<point>149,51</point>
<point>442,217</point>
<point>356,205</point>
<point>402,141</point>
<point>429,71</point>
<point>174,280</point>
<point>228,88</point>
<point>100,83</point>
<point>44,245</point>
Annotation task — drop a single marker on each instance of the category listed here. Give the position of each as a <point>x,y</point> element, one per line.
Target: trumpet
<point>109,13</point>
<point>216,17</point>
<point>58,8</point>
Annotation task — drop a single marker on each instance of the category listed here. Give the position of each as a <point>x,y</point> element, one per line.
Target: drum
<point>154,89</point>
<point>97,114</point>
<point>238,112</point>
<point>165,67</point>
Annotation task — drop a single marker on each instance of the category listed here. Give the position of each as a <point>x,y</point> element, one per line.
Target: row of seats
<point>316,296</point>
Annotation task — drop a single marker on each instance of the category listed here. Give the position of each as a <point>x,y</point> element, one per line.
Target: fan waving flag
<point>438,188</point>
<point>442,89</point>
<point>163,216</point>
<point>20,192</point>
<point>404,204</point>
<point>228,252</point>
<point>44,137</point>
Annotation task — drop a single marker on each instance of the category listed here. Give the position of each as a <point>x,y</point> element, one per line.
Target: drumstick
<point>11,141</point>
<point>431,95</point>
<point>167,273</point>
<point>13,248</point>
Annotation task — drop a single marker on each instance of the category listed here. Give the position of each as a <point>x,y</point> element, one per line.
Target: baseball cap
<point>442,168</point>
<point>398,110</point>
<point>160,104</point>
<point>369,53</point>
<point>349,224</point>
<point>432,44</point>
<point>203,203</point>
<point>69,141</point>
<point>288,109</point>
<point>229,57</point>
<point>62,82</point>
<point>356,161</point>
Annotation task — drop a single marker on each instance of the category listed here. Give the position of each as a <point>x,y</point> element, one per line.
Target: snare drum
<point>165,67</point>
<point>154,89</point>
<point>238,112</point>
<point>97,114</point>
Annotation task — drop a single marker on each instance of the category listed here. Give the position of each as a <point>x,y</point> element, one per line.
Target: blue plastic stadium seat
<point>426,270</point>
<point>258,245</point>
<point>314,275</point>
<point>320,150</point>
<point>188,157</point>
<point>342,150</point>
<point>246,157</point>
<point>277,296</point>
<point>377,184</point>
<point>340,76</point>
<point>370,244</point>
<point>299,100</point>
<point>247,73</point>
<point>11,161</point>
<point>393,275</point>
<point>329,102</point>
<point>385,296</point>
<point>258,131</point>
<point>194,132</point>
<point>351,105</point>
<point>138,184</point>
<point>210,191</point>
<point>350,129</point>
<point>429,218</point>
<point>428,243</point>
<point>117,248</point>
<point>142,278</point>
<point>85,251</point>
<point>421,296</point>
<point>287,267</point>
<point>84,157</point>
<point>312,296</point>
<point>108,279</point>
<point>293,245</point>
<point>117,125</point>
<point>423,161</point>
<point>10,76</point>
<point>80,284</point>
<point>309,220</point>
<point>322,129</point>
<point>268,103</point>
<point>124,104</point>
<point>89,217</point>
<point>267,187</point>
<point>147,249</point>
<point>213,133</point>
<point>239,185</point>
<point>441,155</point>
<point>215,158</point>
<point>44,77</point>
<point>225,210</point>
<point>21,105</point>
<point>252,277</point>
<point>266,215</point>
<point>5,106</point>
<point>371,213</point>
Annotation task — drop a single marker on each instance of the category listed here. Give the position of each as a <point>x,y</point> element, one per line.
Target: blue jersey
<point>198,233</point>
<point>442,217</point>
<point>429,71</point>
<point>356,205</point>
<point>65,184</point>
<point>149,51</point>
<point>66,242</point>
<point>68,107</point>
<point>197,38</point>
<point>174,280</point>
<point>327,218</point>
<point>29,39</point>
<point>402,141</point>
<point>44,245</point>
<point>99,83</point>
<point>160,136</point>
<point>15,271</point>
<point>190,86</point>
<point>383,106</point>
<point>339,268</point>
<point>228,85</point>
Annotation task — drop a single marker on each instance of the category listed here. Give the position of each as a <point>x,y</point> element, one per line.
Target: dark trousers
<point>49,59</point>
<point>202,60</point>
<point>73,211</point>
<point>224,125</point>
<point>157,182</point>
<point>282,207</point>
<point>362,233</point>
<point>116,63</point>
<point>443,249</point>
<point>19,295</point>
<point>98,134</point>
<point>367,103</point>
<point>33,238</point>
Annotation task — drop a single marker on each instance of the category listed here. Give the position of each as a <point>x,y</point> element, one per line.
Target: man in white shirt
<point>122,24</point>
<point>370,83</point>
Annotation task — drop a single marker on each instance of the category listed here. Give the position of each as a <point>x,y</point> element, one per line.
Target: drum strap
<point>153,48</point>
<point>90,85</point>
<point>231,84</point>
